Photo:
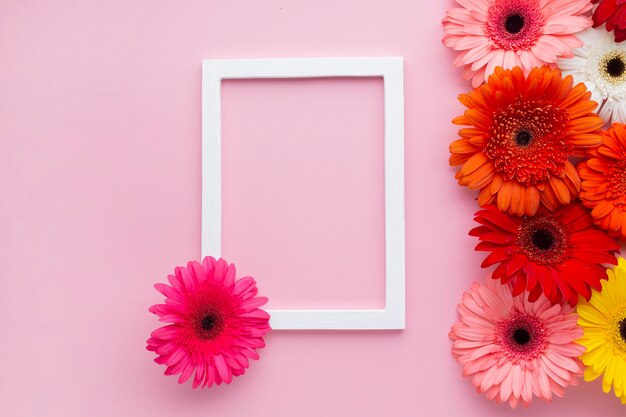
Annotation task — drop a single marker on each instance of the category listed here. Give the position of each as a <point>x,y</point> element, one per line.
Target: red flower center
<point>522,337</point>
<point>543,239</point>
<point>528,141</point>
<point>514,24</point>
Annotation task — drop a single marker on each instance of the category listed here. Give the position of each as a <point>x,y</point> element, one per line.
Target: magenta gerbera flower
<point>216,323</point>
<point>514,349</point>
<point>510,33</point>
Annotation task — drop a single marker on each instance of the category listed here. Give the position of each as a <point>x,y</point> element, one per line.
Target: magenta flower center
<point>514,24</point>
<point>522,337</point>
<point>543,239</point>
<point>208,322</point>
<point>209,325</point>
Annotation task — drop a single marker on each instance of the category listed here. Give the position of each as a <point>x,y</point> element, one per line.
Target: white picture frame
<point>392,316</point>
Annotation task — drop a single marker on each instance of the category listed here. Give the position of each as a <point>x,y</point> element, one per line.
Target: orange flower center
<point>543,239</point>
<point>528,141</point>
<point>616,183</point>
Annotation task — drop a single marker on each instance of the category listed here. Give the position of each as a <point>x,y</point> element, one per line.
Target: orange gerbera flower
<point>519,133</point>
<point>604,181</point>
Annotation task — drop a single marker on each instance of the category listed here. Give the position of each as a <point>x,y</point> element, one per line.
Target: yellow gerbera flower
<point>603,319</point>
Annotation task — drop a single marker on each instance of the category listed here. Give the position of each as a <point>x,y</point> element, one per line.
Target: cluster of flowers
<point>548,77</point>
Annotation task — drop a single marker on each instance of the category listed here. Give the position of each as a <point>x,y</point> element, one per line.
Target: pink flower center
<point>522,337</point>
<point>514,24</point>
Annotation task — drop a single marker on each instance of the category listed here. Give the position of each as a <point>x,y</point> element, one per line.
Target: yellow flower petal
<point>598,358</point>
<point>601,318</point>
<point>609,374</point>
<point>591,375</point>
<point>591,343</point>
<point>591,314</point>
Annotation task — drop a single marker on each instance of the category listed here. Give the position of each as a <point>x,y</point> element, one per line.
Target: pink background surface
<point>100,178</point>
<point>303,189</point>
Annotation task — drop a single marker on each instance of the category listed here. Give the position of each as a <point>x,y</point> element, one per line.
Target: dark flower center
<point>542,239</point>
<point>521,336</point>
<point>514,23</point>
<point>615,67</point>
<point>208,322</point>
<point>523,138</point>
<point>209,325</point>
<point>622,329</point>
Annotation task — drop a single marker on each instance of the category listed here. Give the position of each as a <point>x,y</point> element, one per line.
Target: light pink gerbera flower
<point>514,349</point>
<point>510,33</point>
<point>216,323</point>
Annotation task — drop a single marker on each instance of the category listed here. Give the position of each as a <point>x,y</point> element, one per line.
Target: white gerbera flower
<point>601,64</point>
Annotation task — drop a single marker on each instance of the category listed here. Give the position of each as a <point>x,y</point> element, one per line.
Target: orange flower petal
<point>516,136</point>
<point>472,164</point>
<point>505,195</point>
<point>560,190</point>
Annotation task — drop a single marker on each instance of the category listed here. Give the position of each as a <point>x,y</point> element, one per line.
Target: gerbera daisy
<point>604,182</point>
<point>601,64</point>
<point>519,132</point>
<point>558,254</point>
<point>603,319</point>
<point>514,349</point>
<point>510,33</point>
<point>613,13</point>
<point>217,325</point>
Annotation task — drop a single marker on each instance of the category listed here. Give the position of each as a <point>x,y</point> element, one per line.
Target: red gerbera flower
<point>559,254</point>
<point>613,13</point>
<point>216,323</point>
